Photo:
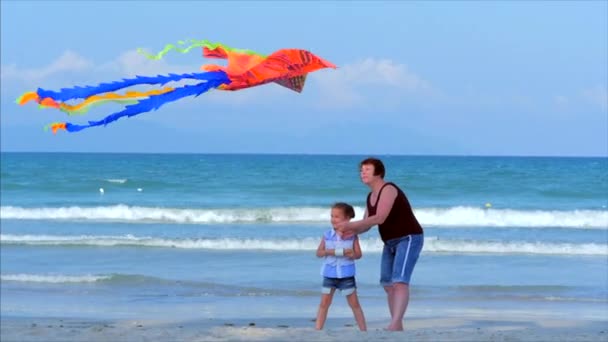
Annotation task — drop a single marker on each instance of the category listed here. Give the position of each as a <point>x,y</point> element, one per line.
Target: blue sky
<point>447,78</point>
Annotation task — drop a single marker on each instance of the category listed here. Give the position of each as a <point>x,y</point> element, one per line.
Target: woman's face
<point>367,173</point>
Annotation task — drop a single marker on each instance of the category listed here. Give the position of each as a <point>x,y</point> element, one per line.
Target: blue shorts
<point>399,257</point>
<point>345,285</point>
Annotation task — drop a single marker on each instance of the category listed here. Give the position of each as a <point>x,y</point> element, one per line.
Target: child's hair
<point>346,208</point>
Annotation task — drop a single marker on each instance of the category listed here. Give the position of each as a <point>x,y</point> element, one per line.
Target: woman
<point>403,237</point>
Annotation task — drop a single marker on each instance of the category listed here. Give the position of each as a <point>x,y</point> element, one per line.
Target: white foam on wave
<point>469,216</point>
<point>442,217</point>
<point>117,180</point>
<point>123,213</point>
<point>41,278</point>
<point>431,244</point>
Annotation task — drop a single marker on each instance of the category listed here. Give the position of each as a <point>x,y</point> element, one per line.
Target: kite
<point>245,69</point>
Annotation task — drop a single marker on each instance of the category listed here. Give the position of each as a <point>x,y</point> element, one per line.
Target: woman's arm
<point>385,203</point>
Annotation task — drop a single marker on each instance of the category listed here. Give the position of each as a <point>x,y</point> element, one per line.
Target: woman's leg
<point>406,257</point>
<point>386,275</point>
<point>400,298</point>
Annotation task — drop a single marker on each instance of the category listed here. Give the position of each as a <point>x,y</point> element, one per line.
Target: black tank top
<point>400,220</point>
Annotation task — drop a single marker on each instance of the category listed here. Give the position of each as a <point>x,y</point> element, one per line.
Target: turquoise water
<point>138,235</point>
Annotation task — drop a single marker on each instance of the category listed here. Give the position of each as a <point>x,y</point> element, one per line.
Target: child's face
<point>337,216</point>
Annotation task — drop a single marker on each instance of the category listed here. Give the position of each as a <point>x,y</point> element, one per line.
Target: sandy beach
<point>419,329</point>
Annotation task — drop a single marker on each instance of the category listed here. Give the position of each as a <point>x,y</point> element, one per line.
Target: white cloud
<point>346,86</point>
<point>71,69</point>
<point>597,95</point>
<point>69,61</point>
<point>561,101</point>
<point>9,72</point>
<point>132,63</point>
<point>343,87</point>
<point>128,64</point>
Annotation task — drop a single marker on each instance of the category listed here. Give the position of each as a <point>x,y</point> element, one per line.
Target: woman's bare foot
<point>395,327</point>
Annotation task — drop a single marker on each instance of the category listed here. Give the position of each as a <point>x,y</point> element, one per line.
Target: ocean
<point>234,236</point>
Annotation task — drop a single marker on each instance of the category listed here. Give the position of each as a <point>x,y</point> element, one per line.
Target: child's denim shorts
<point>399,257</point>
<point>345,285</point>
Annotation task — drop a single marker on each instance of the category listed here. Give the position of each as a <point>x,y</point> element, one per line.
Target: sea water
<point>201,236</point>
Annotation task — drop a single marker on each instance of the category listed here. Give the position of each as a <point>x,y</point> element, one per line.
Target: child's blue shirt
<point>341,266</point>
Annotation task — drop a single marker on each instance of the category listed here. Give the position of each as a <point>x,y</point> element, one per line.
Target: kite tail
<point>213,80</point>
<point>211,50</point>
<point>55,126</point>
<point>219,50</point>
<point>27,97</point>
<point>168,47</point>
<point>130,97</point>
<point>66,94</point>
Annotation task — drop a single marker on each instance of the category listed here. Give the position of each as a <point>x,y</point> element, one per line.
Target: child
<point>338,269</point>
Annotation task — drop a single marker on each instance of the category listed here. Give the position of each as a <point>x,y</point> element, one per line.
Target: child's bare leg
<point>353,301</point>
<point>323,308</point>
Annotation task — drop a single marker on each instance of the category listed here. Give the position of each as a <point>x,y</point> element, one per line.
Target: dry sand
<point>417,329</point>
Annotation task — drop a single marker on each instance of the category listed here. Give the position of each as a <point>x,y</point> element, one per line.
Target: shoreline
<point>301,329</point>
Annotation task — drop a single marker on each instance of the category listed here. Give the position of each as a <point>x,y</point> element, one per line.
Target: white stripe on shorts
<point>409,243</point>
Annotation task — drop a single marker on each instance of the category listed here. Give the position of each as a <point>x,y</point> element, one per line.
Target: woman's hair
<point>378,166</point>
<point>346,208</point>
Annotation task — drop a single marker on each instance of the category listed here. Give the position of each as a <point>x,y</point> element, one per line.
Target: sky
<point>517,78</point>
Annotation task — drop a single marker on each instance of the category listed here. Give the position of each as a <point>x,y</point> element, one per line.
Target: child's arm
<point>321,249</point>
<point>357,254</point>
<point>322,252</point>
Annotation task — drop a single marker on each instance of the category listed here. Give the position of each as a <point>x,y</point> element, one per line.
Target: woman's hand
<point>346,229</point>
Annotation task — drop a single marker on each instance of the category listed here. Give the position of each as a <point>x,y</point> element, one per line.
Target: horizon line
<point>317,154</point>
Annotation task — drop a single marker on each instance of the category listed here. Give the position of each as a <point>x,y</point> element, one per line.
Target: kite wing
<point>286,67</point>
<point>295,83</point>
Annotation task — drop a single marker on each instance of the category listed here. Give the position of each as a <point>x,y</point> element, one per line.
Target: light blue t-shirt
<point>337,266</point>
